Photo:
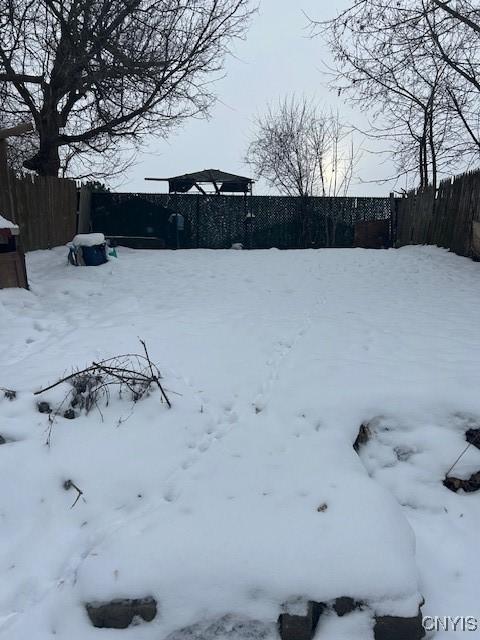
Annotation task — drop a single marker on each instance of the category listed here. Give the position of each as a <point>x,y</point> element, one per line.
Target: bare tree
<point>302,151</point>
<point>388,62</point>
<point>95,75</point>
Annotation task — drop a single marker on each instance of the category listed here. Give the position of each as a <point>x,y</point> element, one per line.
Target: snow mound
<point>88,239</point>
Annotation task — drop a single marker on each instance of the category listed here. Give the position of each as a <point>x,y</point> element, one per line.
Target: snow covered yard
<point>247,496</point>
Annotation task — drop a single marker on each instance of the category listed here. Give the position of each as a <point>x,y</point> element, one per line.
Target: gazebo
<point>210,185</point>
<point>208,181</point>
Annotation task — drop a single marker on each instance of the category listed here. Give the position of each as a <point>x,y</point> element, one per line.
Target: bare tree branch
<point>445,5</point>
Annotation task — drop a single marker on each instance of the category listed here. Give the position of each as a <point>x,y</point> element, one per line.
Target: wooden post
<point>17,258</point>
<point>197,222</point>
<point>84,209</point>
<point>8,201</point>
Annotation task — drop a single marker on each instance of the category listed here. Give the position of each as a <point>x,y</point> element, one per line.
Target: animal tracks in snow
<point>281,352</point>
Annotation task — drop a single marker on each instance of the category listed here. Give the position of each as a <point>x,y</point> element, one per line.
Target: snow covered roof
<point>8,224</point>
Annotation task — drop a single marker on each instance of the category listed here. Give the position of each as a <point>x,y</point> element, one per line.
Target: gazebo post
<point>198,220</point>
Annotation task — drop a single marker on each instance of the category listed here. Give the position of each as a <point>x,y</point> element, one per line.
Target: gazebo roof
<point>222,182</point>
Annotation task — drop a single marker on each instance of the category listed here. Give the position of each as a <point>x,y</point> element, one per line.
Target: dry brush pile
<point>132,376</point>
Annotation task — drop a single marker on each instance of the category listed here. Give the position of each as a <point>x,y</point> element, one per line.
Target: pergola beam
<point>201,189</point>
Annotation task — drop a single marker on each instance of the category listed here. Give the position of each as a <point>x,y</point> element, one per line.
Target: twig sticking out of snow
<point>155,374</point>
<point>473,441</point>
<point>69,484</point>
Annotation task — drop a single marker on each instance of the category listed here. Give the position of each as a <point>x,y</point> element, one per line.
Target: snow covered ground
<point>247,494</point>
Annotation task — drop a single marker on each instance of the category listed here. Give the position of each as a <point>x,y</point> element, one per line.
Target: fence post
<point>84,209</point>
<point>5,179</point>
<point>393,220</point>
<point>301,223</point>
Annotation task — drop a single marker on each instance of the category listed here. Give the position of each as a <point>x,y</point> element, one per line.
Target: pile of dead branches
<point>132,376</point>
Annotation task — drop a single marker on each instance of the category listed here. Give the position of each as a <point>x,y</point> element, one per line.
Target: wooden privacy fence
<point>45,208</point>
<point>450,218</point>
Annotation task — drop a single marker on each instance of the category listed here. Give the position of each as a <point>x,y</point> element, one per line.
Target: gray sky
<point>278,57</point>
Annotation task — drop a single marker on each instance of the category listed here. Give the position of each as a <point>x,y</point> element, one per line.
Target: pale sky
<point>277,58</point>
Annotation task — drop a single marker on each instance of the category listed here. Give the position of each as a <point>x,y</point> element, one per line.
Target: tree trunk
<point>424,163</point>
<point>46,162</point>
<point>433,154</point>
<point>420,164</point>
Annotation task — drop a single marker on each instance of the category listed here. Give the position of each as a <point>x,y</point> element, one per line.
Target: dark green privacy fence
<point>217,221</point>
